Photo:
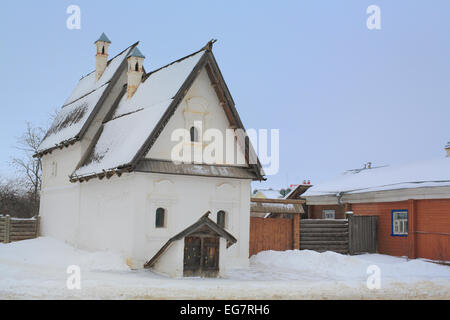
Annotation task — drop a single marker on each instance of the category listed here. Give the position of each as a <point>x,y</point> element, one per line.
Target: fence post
<point>7,228</point>
<point>296,234</point>
<point>38,225</point>
<point>375,233</point>
<point>350,227</point>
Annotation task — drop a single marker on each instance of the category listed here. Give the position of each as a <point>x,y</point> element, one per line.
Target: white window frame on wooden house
<point>400,223</point>
<point>329,214</point>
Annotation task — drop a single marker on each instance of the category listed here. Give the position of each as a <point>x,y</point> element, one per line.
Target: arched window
<point>194,134</point>
<point>103,50</point>
<point>136,67</point>
<point>160,221</point>
<point>221,218</point>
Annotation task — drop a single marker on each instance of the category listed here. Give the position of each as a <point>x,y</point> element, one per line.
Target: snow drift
<point>51,253</point>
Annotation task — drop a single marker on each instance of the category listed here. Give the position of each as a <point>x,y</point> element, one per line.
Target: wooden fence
<point>355,235</point>
<point>12,229</point>
<point>271,234</point>
<point>324,235</point>
<point>363,234</point>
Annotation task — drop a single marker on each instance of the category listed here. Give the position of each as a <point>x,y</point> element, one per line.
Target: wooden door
<point>210,257</point>
<point>192,256</point>
<point>201,256</point>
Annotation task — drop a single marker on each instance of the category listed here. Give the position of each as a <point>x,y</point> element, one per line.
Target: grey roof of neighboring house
<point>430,173</point>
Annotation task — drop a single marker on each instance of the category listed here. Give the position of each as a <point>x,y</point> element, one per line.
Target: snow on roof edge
<point>434,172</point>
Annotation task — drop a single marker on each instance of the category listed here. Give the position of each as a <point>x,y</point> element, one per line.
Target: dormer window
<point>194,134</point>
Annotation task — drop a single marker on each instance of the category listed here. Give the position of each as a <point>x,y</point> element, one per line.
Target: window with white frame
<point>329,214</point>
<point>400,222</point>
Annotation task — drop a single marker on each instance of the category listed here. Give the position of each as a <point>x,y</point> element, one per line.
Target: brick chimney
<point>135,71</point>
<point>101,59</point>
<point>447,148</point>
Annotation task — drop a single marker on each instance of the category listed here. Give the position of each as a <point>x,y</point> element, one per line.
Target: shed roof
<point>261,205</point>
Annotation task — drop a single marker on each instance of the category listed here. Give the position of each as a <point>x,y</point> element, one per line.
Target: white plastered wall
<point>119,214</point>
<point>200,104</point>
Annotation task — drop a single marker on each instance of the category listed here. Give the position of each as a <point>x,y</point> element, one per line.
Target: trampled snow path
<point>36,269</point>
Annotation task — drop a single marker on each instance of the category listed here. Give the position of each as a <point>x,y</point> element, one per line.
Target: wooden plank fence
<point>363,234</point>
<point>355,235</point>
<point>13,229</point>
<point>324,235</point>
<point>271,234</point>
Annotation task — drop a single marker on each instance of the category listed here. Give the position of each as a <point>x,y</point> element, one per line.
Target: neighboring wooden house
<point>109,182</point>
<point>268,194</point>
<point>412,203</point>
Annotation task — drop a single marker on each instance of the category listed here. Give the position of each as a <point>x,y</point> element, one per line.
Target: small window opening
<point>160,218</point>
<point>136,67</point>
<point>103,50</point>
<point>194,134</point>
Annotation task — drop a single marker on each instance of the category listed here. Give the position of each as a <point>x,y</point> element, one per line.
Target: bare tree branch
<point>28,167</point>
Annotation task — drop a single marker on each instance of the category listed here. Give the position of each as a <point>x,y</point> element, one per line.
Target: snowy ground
<point>36,269</point>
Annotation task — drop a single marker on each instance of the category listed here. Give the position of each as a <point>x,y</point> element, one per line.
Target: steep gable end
<point>138,122</point>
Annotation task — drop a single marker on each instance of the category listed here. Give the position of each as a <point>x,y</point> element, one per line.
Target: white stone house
<point>109,182</point>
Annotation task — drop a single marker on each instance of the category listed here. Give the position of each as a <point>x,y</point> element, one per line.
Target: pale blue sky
<point>340,94</point>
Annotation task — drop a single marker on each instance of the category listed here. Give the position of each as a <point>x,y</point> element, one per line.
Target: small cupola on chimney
<point>447,148</point>
<point>101,59</point>
<point>135,71</point>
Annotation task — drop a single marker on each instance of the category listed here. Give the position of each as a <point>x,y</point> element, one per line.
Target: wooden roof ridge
<point>207,47</point>
<point>203,221</point>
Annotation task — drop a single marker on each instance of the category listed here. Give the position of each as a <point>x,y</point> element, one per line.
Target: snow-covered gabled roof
<point>136,122</point>
<point>79,106</point>
<point>431,173</point>
<point>136,118</point>
<point>270,193</point>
